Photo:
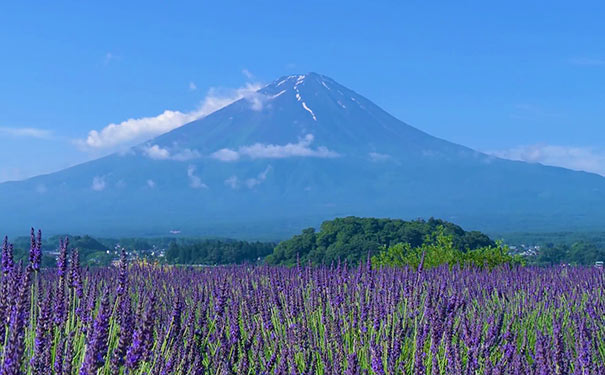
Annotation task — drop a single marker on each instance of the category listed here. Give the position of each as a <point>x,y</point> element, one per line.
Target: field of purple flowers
<point>145,319</point>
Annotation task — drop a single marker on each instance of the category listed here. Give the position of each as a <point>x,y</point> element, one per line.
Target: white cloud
<point>232,182</point>
<point>252,182</point>
<point>194,180</point>
<point>158,153</point>
<point>577,158</point>
<point>26,132</point>
<point>134,130</point>
<point>98,183</point>
<point>225,154</point>
<point>374,156</point>
<point>257,101</point>
<point>247,73</point>
<point>263,151</point>
<point>192,86</point>
<point>150,183</point>
<point>186,154</point>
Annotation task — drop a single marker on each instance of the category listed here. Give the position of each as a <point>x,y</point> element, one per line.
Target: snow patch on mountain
<point>278,94</point>
<point>309,110</point>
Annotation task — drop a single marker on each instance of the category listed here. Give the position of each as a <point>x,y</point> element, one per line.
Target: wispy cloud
<point>586,61</point>
<point>235,183</point>
<point>159,153</point>
<point>26,132</point>
<point>98,183</point>
<point>194,180</point>
<point>586,159</point>
<point>126,133</point>
<point>41,189</point>
<point>8,173</point>
<point>232,182</point>
<point>247,73</point>
<point>109,57</point>
<point>259,179</point>
<point>268,151</point>
<point>192,86</point>
<point>377,157</point>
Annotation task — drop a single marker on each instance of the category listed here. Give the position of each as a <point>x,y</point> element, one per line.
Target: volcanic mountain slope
<point>298,151</point>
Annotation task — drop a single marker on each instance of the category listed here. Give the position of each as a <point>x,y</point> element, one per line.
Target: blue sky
<point>524,80</point>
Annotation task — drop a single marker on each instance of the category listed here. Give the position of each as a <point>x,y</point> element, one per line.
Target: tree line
<point>353,239</point>
<point>213,252</point>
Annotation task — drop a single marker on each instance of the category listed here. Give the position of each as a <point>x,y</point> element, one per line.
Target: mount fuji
<point>300,150</point>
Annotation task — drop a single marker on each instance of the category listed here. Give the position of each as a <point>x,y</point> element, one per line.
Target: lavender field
<point>148,319</point>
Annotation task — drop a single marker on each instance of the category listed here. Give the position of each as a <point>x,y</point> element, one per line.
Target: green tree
<point>352,239</point>
<point>439,248</point>
<point>550,254</point>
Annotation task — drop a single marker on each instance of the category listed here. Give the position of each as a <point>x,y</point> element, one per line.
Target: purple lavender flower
<point>35,250</point>
<point>123,274</point>
<point>68,356</point>
<point>7,257</point>
<point>13,351</point>
<point>126,329</point>
<point>142,340</point>
<point>96,350</point>
<point>74,278</point>
<point>42,342</point>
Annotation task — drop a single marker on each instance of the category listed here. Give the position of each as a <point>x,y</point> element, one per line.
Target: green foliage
<point>437,249</point>
<point>101,251</point>
<point>576,248</point>
<point>579,253</point>
<point>212,252</point>
<point>352,239</point>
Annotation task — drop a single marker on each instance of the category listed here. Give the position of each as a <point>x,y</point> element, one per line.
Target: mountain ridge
<point>300,150</point>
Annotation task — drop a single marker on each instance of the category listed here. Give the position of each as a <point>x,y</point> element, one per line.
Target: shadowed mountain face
<point>301,150</point>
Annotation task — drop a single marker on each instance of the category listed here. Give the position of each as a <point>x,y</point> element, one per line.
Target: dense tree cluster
<point>211,252</point>
<point>578,253</point>
<point>352,239</point>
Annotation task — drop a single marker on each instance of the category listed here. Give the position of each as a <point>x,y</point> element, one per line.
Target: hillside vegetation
<point>438,249</point>
<point>211,252</point>
<point>353,239</point>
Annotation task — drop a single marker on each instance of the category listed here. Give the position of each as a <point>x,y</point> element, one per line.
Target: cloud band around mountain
<point>131,131</point>
<point>159,153</point>
<point>585,159</point>
<point>269,151</point>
